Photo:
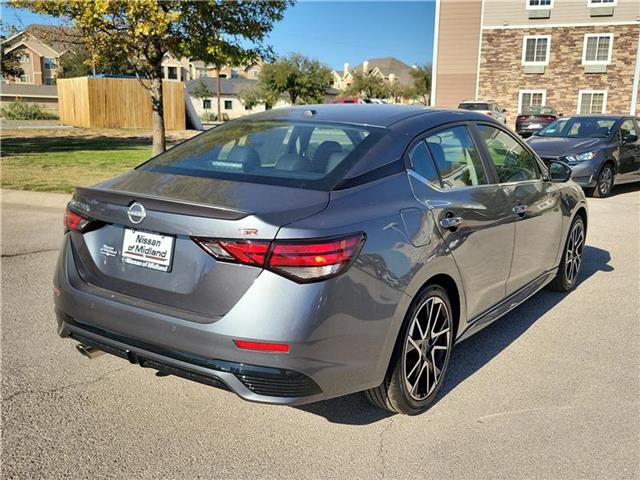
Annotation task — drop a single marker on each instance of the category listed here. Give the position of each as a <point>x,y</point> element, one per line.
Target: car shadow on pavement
<point>625,188</point>
<point>472,354</point>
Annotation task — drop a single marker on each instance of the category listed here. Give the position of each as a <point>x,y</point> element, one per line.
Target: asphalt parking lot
<point>550,391</point>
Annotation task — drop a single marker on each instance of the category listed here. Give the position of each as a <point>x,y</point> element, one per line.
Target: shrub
<point>209,117</point>
<point>26,111</point>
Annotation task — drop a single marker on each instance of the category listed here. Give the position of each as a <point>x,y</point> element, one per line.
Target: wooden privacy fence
<point>117,103</point>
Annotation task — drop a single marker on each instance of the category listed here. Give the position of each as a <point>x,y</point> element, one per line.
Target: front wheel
<point>421,356</point>
<point>567,276</point>
<point>604,185</point>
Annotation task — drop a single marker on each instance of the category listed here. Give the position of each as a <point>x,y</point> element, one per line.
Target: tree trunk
<point>218,95</point>
<point>157,116</point>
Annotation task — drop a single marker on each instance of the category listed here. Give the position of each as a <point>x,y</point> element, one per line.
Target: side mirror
<point>559,172</point>
<point>629,138</point>
<point>504,110</point>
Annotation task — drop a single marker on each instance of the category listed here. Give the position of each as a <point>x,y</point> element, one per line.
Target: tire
<point>606,179</point>
<point>414,394</point>
<point>569,269</point>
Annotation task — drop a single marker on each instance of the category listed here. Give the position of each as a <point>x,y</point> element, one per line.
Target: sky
<point>334,32</point>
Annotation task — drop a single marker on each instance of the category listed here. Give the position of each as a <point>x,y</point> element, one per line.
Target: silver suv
<point>488,107</point>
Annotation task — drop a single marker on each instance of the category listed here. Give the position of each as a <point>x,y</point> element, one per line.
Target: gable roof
<point>47,40</point>
<point>386,66</point>
<point>34,44</point>
<point>59,38</point>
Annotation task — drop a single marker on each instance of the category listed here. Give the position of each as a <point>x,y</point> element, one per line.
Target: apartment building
<point>184,69</point>
<point>388,68</point>
<point>38,49</point>
<point>578,56</point>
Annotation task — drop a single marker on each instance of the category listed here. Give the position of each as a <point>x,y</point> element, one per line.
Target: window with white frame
<point>539,4</point>
<point>531,98</point>
<point>24,58</point>
<point>23,79</point>
<point>49,63</point>
<point>535,50</point>
<point>592,101</point>
<point>597,48</point>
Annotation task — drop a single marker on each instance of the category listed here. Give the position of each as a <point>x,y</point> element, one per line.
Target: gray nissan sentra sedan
<point>310,252</point>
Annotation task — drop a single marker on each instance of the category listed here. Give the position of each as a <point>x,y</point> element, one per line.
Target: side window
<point>456,158</point>
<point>628,127</point>
<point>512,161</point>
<point>423,165</point>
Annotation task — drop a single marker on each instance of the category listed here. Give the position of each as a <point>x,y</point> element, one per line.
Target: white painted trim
<point>604,100</point>
<point>584,49</point>
<point>8,39</point>
<point>590,4</point>
<point>524,49</point>
<point>636,81</point>
<point>530,26</point>
<point>434,66</point>
<point>521,92</point>
<point>480,51</point>
<point>528,6</point>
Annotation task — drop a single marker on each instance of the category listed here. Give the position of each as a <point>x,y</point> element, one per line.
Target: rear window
<point>474,106</point>
<point>296,154</point>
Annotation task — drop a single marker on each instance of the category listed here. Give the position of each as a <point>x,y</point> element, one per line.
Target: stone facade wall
<point>502,73</point>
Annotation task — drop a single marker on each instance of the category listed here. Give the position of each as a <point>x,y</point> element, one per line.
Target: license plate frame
<point>149,250</point>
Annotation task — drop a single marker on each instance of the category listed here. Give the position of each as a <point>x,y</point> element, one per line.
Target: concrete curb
<point>34,199</point>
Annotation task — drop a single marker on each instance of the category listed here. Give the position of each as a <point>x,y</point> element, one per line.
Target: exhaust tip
<point>89,351</point>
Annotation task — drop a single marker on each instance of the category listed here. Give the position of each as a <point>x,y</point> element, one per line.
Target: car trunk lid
<point>176,209</point>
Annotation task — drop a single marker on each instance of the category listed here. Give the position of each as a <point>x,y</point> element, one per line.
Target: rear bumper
<point>251,382</point>
<point>336,347</point>
<point>525,132</point>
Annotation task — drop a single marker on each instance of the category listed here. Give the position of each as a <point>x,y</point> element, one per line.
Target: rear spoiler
<point>167,205</point>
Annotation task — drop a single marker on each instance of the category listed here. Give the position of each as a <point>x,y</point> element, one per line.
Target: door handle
<point>451,221</point>
<point>519,209</point>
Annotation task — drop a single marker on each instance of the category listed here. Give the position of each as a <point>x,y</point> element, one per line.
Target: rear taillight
<point>311,260</point>
<point>246,252</point>
<point>77,222</point>
<point>521,118</point>
<point>489,113</point>
<point>300,260</point>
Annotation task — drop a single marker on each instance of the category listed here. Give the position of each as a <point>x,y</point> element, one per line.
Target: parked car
<point>534,118</point>
<point>358,100</point>
<point>348,100</point>
<point>488,107</point>
<point>602,150</point>
<point>239,259</point>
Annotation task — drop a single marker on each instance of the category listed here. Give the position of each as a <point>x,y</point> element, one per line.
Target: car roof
<point>366,114</point>
<point>478,101</point>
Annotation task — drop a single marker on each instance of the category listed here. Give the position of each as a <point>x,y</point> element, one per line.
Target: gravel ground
<point>549,391</point>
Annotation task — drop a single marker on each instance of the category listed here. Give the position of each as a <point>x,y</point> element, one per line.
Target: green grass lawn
<point>60,163</point>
